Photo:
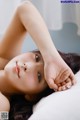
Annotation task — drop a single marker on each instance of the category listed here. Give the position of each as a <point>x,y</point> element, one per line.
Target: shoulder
<point>4,103</point>
<point>3,62</point>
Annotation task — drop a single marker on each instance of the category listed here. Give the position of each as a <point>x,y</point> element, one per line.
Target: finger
<point>73,79</point>
<point>62,77</point>
<point>59,89</point>
<point>62,88</point>
<point>68,80</point>
<point>69,84</point>
<point>52,85</point>
<point>63,83</point>
<point>59,85</point>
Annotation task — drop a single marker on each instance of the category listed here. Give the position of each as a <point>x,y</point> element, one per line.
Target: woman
<point>23,22</point>
<point>53,71</point>
<point>21,108</point>
<point>24,74</point>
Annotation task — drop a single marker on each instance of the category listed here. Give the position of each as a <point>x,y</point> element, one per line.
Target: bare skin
<point>24,74</point>
<point>4,103</point>
<point>55,69</point>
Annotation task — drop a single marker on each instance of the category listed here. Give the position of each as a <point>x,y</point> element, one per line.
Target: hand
<point>57,72</point>
<point>67,84</point>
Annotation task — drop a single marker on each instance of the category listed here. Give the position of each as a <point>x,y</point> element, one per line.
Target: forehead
<point>26,54</point>
<point>30,55</point>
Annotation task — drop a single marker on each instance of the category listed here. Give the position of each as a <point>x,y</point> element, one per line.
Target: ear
<point>31,98</point>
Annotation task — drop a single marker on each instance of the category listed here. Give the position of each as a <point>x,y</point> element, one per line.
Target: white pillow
<point>63,105</point>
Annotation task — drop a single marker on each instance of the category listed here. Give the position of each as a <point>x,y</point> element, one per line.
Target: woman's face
<point>26,73</point>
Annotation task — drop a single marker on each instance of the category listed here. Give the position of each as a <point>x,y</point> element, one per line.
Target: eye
<point>37,57</point>
<point>39,76</point>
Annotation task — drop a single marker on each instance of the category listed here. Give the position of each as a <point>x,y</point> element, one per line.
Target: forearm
<point>13,38</point>
<point>37,28</point>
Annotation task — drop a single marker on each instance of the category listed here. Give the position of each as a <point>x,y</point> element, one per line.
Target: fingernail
<point>74,82</point>
<point>68,86</point>
<point>55,90</point>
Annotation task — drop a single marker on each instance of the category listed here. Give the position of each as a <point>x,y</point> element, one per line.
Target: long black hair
<point>21,109</point>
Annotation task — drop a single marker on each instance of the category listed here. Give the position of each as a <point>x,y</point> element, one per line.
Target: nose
<point>31,66</point>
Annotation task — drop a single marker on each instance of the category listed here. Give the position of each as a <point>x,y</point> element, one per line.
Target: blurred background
<point>62,20</point>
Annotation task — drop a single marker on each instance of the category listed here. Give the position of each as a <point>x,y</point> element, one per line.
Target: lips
<point>17,69</point>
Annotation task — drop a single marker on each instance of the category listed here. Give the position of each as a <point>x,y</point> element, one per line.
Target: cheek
<point>9,70</point>
<point>29,80</point>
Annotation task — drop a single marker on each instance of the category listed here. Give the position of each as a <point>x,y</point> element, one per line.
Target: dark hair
<point>21,109</point>
<point>72,60</point>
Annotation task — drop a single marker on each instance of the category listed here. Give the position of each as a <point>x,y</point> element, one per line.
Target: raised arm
<point>27,18</point>
<point>55,69</point>
<point>11,42</point>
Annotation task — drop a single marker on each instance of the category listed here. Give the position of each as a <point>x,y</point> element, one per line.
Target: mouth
<point>17,69</point>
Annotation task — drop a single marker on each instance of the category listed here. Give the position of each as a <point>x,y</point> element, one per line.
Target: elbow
<point>24,6</point>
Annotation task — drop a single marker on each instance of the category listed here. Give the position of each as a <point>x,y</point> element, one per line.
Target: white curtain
<point>6,11</point>
<point>56,13</point>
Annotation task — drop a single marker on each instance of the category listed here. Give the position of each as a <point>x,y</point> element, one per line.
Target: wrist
<point>50,56</point>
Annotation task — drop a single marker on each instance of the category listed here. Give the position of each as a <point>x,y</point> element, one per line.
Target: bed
<point>63,105</point>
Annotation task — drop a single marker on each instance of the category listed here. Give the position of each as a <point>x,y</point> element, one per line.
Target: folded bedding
<point>63,105</point>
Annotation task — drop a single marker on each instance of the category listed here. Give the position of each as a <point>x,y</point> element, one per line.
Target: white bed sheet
<point>63,105</point>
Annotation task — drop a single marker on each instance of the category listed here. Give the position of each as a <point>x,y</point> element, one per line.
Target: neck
<point>5,86</point>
